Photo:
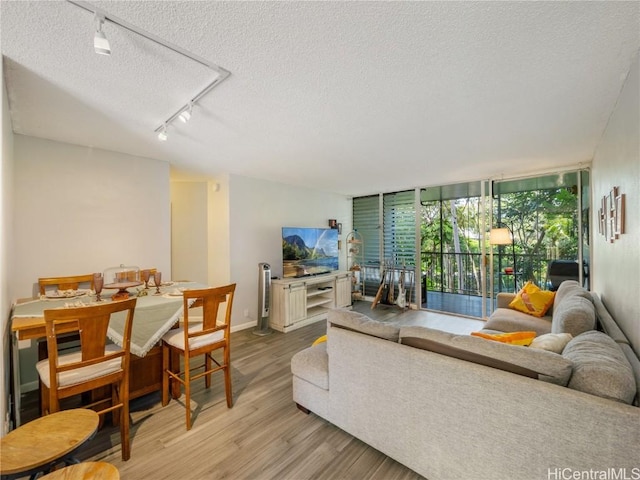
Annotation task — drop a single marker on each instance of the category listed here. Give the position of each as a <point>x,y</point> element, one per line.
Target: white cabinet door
<point>343,291</point>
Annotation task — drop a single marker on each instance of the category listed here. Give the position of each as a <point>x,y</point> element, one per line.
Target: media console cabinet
<point>296,302</point>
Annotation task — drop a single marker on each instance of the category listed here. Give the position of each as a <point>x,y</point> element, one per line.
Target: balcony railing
<point>460,272</point>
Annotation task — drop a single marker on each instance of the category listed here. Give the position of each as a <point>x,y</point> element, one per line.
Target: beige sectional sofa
<point>461,407</point>
<point>572,310</point>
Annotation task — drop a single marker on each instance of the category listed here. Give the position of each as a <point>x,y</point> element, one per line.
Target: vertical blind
<point>399,228</point>
<point>396,235</point>
<point>366,220</point>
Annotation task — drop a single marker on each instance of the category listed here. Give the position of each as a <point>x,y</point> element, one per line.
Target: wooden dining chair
<point>71,282</point>
<point>196,337</point>
<point>96,365</point>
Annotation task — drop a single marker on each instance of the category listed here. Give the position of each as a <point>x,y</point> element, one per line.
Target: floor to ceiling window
<point>549,221</point>
<point>452,260</point>
<point>456,269</point>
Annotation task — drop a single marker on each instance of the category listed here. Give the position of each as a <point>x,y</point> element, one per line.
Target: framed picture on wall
<point>619,200</point>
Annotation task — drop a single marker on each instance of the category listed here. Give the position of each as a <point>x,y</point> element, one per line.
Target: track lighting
<point>162,135</point>
<point>100,42</point>
<point>185,115</point>
<point>101,46</point>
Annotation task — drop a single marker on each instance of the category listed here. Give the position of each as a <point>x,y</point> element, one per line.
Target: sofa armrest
<point>504,299</point>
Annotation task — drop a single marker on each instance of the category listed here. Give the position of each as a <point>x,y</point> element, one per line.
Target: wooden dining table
<point>155,315</point>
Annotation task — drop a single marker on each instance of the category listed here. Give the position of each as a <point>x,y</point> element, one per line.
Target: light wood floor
<point>264,435</point>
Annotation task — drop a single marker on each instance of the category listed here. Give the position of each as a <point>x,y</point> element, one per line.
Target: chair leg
<point>207,367</point>
<point>124,426</point>
<point>227,385</point>
<point>227,375</point>
<point>187,392</point>
<point>165,375</point>
<point>116,398</point>
<point>44,400</point>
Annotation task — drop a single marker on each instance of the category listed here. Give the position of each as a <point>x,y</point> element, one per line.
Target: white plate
<point>65,293</point>
<point>176,292</point>
<point>163,284</point>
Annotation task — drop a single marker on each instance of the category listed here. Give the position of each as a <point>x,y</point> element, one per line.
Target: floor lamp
<point>504,236</point>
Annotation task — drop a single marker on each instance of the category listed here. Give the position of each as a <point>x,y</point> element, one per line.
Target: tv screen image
<point>309,251</point>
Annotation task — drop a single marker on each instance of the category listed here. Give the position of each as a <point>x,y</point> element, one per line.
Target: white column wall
<point>189,231</point>
<point>616,266</point>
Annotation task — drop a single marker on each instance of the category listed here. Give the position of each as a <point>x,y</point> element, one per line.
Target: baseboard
<point>29,387</point>
<point>243,326</point>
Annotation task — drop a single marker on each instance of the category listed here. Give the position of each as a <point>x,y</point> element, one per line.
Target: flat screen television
<point>309,251</point>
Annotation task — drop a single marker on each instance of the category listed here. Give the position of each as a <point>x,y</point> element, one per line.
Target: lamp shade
<point>500,236</point>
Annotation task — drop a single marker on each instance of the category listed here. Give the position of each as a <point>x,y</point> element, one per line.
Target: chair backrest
<point>210,299</point>
<point>91,323</point>
<point>65,283</point>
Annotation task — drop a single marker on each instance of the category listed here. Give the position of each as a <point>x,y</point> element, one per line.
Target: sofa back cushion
<point>359,322</point>
<point>600,367</point>
<point>535,363</point>
<point>569,288</point>
<point>574,315</point>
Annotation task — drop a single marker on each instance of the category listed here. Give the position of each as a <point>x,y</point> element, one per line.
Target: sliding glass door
<point>549,220</point>
<point>452,254</point>
<point>441,234</point>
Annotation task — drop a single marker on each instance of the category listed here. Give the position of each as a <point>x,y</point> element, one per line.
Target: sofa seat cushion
<point>544,365</point>
<point>575,315</point>
<point>600,367</point>
<point>508,320</point>
<point>312,365</point>
<point>361,323</point>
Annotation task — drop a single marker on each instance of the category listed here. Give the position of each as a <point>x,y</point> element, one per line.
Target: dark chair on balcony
<point>560,270</point>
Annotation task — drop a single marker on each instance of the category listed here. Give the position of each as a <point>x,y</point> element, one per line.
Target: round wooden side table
<point>85,471</point>
<point>39,445</point>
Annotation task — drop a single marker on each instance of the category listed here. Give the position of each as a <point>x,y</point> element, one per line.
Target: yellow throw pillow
<point>318,340</point>
<point>530,299</point>
<point>512,338</point>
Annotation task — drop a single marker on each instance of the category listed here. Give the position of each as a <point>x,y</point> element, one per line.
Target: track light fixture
<point>185,115</point>
<point>100,42</point>
<point>101,45</point>
<point>162,135</point>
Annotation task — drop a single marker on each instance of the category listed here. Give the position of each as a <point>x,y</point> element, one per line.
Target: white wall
<point>258,211</point>
<point>189,231</point>
<point>219,259</point>
<point>6,246</point>
<point>616,266</point>
<point>244,220</point>
<point>80,210</point>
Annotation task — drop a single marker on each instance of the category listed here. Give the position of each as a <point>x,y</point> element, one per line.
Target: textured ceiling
<point>349,97</point>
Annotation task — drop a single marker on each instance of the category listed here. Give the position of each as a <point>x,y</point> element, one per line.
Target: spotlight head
<point>185,115</point>
<point>162,134</point>
<point>100,42</point>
